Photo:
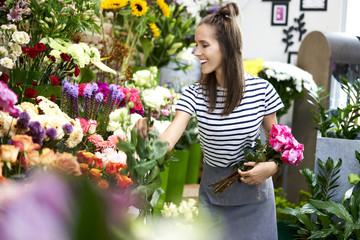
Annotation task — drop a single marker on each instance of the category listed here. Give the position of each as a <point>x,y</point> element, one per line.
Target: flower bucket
<point>177,177</point>
<point>193,168</point>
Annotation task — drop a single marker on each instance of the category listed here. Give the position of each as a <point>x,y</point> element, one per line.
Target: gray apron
<point>242,211</point>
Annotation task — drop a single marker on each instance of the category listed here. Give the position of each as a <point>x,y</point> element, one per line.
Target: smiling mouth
<point>203,61</point>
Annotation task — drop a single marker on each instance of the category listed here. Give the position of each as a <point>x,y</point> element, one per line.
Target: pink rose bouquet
<point>281,147</point>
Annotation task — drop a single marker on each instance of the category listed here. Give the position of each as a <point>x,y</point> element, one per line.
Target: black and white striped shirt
<point>223,138</point>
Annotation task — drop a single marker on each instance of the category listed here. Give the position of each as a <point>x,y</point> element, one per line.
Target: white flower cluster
<point>284,71</point>
<point>195,7</point>
<point>81,53</point>
<point>121,122</point>
<point>146,78</point>
<point>155,98</point>
<point>49,115</point>
<point>11,42</point>
<point>111,155</point>
<point>187,209</point>
<point>187,55</point>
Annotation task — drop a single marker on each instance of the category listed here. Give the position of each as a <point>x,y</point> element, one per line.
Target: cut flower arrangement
<point>281,147</point>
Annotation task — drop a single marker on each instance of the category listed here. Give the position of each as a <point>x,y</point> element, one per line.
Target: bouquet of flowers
<point>281,147</point>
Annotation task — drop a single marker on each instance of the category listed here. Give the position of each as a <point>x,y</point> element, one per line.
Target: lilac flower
<point>68,128</point>
<point>51,133</point>
<point>36,130</point>
<point>23,120</point>
<point>103,88</point>
<point>15,14</point>
<point>7,99</point>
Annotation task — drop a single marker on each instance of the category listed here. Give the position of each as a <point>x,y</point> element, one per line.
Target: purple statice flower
<point>68,128</point>
<point>23,120</point>
<point>99,97</point>
<point>7,99</point>
<point>15,14</point>
<point>51,133</point>
<point>65,101</point>
<point>103,88</point>
<point>74,95</point>
<point>36,130</point>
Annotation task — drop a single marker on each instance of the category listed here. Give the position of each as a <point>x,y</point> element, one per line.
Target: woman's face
<point>208,50</point>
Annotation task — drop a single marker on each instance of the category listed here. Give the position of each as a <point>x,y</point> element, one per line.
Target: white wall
<point>262,40</point>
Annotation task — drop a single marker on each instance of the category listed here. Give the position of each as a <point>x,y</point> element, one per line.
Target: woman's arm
<point>262,170</point>
<point>173,133</point>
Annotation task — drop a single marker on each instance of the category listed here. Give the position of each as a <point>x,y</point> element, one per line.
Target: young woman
<point>230,106</point>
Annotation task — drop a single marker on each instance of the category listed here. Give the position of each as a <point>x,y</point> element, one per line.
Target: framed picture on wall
<point>279,15</point>
<point>292,58</point>
<point>313,5</point>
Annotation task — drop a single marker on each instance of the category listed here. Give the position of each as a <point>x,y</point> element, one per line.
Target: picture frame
<point>313,5</point>
<point>292,58</point>
<point>279,14</point>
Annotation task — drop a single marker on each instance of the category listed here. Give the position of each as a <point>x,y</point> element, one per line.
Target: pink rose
<point>84,124</point>
<point>279,129</point>
<point>165,112</point>
<point>92,126</point>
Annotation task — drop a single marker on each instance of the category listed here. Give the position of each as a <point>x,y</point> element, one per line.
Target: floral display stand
<point>339,148</point>
<point>177,177</point>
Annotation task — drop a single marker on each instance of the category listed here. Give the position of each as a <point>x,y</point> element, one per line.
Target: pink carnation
<point>7,99</point>
<point>95,139</point>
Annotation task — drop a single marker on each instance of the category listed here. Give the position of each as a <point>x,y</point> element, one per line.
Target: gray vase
<point>339,148</point>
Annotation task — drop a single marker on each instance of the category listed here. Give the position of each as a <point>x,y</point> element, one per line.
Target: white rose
<point>21,37</point>
<point>161,126</point>
<point>3,52</point>
<point>165,92</point>
<point>143,78</point>
<point>7,62</point>
<point>186,54</point>
<point>153,99</point>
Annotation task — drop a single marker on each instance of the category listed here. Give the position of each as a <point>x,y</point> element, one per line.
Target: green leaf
<point>147,46</point>
<point>158,148</point>
<point>155,197</point>
<point>86,75</point>
<point>353,178</point>
<point>154,173</point>
<point>125,146</point>
<point>332,207</point>
<point>145,167</point>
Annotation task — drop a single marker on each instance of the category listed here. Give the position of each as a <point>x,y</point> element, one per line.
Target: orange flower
<point>84,156</point>
<point>95,174</point>
<point>33,157</point>
<point>113,168</point>
<point>68,163</point>
<point>25,143</point>
<point>9,153</point>
<point>85,169</point>
<point>47,157</point>
<point>2,178</point>
<point>123,181</point>
<point>103,184</point>
<point>96,162</point>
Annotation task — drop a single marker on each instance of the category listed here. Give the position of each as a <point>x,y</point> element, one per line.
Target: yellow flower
<point>154,29</point>
<point>9,153</point>
<point>253,66</point>
<point>138,7</point>
<point>113,4</point>
<point>164,7</point>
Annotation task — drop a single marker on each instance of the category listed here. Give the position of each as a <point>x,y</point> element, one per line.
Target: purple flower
<point>88,91</point>
<point>99,97</point>
<point>7,99</point>
<point>36,130</point>
<point>23,120</point>
<point>103,88</point>
<point>15,14</point>
<point>51,133</point>
<point>68,128</point>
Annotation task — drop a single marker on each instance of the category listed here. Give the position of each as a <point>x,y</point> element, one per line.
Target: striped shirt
<point>222,138</point>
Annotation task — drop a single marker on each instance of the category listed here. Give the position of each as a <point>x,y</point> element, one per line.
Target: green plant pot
<point>177,177</point>
<point>164,182</point>
<point>193,168</point>
<point>285,232</point>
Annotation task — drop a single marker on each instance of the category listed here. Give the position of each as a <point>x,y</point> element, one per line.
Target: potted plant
<point>322,218</point>
<point>338,131</point>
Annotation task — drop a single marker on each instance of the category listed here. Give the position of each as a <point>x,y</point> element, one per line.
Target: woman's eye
<point>205,46</point>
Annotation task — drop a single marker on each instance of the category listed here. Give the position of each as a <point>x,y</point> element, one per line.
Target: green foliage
<point>323,186</point>
<point>322,218</point>
<point>342,122</point>
<point>190,135</point>
<point>145,160</point>
<point>175,31</point>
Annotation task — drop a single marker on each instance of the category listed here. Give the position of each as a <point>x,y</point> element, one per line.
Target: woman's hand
<point>259,173</point>
<point>141,126</point>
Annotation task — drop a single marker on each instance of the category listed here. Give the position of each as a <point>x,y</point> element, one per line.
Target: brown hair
<point>228,35</point>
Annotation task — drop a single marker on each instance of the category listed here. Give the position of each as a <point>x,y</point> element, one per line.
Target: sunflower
<point>154,29</point>
<point>113,4</point>
<point>138,7</point>
<point>164,7</point>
